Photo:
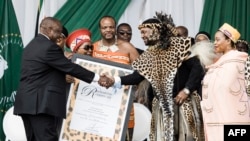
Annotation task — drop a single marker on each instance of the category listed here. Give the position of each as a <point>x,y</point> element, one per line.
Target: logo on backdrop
<point>3,66</point>
<point>11,43</point>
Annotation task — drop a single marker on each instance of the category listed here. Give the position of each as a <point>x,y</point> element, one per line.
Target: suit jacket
<point>189,75</point>
<point>132,79</point>
<point>42,87</point>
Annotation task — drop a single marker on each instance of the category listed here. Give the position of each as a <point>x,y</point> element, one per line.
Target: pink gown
<point>224,98</point>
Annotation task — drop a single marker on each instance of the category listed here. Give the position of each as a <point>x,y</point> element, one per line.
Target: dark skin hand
<point>180,98</point>
<point>106,81</point>
<point>70,79</point>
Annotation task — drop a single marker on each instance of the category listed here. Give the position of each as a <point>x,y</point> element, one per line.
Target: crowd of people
<point>194,85</point>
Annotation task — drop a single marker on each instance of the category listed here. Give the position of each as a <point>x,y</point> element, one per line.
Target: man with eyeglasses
<point>124,32</point>
<point>61,40</point>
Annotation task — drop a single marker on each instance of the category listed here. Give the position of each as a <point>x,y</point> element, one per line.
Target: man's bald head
<point>182,31</point>
<point>51,27</point>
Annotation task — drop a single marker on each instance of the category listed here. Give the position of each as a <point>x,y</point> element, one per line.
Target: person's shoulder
<point>40,40</point>
<point>121,43</point>
<point>96,42</point>
<point>193,58</point>
<point>180,39</point>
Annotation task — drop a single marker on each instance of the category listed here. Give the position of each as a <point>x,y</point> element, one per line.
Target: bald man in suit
<point>41,96</point>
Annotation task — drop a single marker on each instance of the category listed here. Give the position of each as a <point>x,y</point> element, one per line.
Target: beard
<point>205,52</point>
<point>149,41</point>
<point>108,36</point>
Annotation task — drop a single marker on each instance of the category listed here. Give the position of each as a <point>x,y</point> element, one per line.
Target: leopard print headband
<point>150,25</point>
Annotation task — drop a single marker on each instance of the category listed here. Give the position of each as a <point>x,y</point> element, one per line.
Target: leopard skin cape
<point>159,67</point>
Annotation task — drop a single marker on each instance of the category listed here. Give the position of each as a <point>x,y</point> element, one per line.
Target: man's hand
<point>180,98</point>
<point>70,79</point>
<point>106,80</point>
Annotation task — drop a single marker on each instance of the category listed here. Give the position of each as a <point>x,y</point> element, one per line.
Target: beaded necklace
<point>112,48</point>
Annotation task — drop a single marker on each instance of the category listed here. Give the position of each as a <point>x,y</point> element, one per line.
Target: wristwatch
<point>186,91</point>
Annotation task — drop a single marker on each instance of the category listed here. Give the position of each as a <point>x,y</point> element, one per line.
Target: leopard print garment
<point>191,126</point>
<point>159,67</point>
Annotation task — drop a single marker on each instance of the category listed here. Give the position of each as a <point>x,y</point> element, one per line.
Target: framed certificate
<point>95,113</point>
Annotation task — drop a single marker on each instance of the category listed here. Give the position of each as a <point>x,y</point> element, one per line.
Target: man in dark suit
<point>41,96</point>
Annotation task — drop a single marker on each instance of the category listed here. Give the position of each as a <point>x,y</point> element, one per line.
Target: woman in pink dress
<point>224,97</point>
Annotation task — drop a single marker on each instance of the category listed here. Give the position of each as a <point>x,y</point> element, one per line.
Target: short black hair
<point>123,24</point>
<point>107,16</point>
<point>151,20</point>
<point>184,31</point>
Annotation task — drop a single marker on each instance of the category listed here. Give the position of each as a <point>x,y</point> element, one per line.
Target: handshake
<point>106,81</point>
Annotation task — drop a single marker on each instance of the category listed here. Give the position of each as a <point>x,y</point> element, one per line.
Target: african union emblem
<point>11,47</point>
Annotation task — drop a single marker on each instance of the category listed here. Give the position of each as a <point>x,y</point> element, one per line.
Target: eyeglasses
<point>124,32</point>
<point>87,47</point>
